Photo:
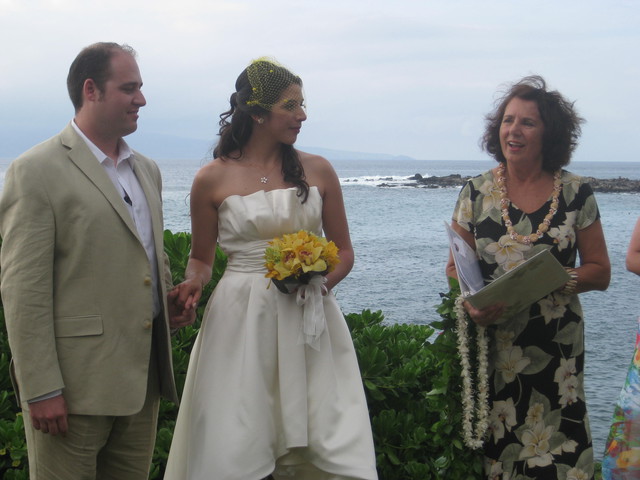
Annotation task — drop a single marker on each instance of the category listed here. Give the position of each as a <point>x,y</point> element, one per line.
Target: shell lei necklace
<point>505,202</point>
<point>472,406</point>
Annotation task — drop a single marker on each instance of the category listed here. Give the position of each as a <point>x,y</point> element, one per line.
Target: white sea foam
<point>380,180</point>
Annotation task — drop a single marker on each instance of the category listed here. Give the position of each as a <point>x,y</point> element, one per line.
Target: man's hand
<point>50,415</point>
<point>180,315</point>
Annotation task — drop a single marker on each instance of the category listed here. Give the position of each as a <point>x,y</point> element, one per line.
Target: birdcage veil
<point>268,79</point>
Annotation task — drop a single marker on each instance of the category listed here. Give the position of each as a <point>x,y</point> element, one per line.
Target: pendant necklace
<point>265,178</point>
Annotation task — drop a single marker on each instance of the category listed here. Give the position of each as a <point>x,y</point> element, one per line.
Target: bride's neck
<point>266,153</point>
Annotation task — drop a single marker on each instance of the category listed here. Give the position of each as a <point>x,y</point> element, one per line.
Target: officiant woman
<point>538,424</point>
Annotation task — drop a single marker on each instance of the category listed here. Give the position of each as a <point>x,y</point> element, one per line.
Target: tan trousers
<point>98,447</point>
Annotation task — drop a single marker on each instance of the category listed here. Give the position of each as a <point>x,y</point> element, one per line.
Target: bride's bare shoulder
<point>213,171</point>
<point>316,163</point>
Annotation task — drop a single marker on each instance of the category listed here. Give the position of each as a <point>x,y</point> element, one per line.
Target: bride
<point>259,399</point>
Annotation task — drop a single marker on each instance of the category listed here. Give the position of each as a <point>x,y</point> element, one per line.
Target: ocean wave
<point>378,180</point>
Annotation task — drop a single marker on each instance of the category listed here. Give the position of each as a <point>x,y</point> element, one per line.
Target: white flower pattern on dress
<point>507,252</point>
<point>496,428</point>
<point>565,377</point>
<point>566,370</point>
<point>535,414</point>
<point>568,446</point>
<point>491,196</point>
<point>565,235</point>
<point>511,362</point>
<point>553,306</point>
<point>494,470</point>
<point>503,415</point>
<point>536,445</point>
<point>568,391</point>
<point>577,474</point>
<point>504,339</point>
<point>465,213</point>
<point>572,181</point>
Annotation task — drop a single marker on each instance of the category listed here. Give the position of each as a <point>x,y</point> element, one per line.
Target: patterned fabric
<point>622,454</point>
<point>538,423</point>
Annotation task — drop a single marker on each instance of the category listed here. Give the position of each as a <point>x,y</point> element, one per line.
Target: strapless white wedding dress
<point>257,401</point>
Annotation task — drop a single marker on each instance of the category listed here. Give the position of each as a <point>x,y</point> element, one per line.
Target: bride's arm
<point>334,221</point>
<point>204,235</point>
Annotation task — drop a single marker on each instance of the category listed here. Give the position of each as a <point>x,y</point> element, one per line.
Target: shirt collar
<point>125,152</point>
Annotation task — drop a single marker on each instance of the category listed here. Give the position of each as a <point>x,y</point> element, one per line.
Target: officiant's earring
<point>260,121</point>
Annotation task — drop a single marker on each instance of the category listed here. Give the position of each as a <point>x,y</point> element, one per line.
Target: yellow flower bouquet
<point>291,260</point>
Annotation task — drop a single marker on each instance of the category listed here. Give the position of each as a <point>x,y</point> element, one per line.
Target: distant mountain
<point>346,155</point>
<point>170,147</point>
<point>155,145</point>
<point>17,140</point>
<point>164,146</point>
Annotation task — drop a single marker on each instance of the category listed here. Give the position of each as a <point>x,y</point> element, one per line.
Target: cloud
<point>406,77</point>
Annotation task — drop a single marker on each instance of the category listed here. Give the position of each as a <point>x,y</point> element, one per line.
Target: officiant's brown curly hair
<point>561,122</point>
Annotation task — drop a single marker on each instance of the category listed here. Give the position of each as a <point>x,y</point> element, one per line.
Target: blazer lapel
<point>86,161</point>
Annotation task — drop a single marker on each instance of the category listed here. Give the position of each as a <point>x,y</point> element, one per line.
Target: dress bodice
<point>246,224</point>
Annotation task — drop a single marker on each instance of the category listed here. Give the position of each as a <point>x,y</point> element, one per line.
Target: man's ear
<point>90,90</point>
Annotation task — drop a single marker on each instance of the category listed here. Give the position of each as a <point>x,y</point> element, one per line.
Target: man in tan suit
<point>84,283</point>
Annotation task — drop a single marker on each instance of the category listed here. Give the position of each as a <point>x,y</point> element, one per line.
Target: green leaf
<point>539,360</point>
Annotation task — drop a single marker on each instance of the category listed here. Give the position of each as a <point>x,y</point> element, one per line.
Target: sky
<point>399,77</point>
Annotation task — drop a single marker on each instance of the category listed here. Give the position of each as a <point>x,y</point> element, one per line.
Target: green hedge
<point>410,373</point>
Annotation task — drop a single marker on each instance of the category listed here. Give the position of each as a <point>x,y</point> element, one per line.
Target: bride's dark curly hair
<point>561,123</point>
<point>236,124</point>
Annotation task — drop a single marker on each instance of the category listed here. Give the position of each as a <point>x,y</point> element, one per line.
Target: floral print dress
<point>539,427</point>
<point>622,454</point>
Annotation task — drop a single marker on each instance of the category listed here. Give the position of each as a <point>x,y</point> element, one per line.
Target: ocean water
<point>401,252</point>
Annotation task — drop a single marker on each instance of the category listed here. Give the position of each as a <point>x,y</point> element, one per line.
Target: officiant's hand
<point>487,316</point>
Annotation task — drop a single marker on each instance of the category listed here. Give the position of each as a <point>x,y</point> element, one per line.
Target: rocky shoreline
<point>607,185</point>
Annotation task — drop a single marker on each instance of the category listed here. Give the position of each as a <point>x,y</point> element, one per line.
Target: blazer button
<point>147,281</point>
<point>147,324</point>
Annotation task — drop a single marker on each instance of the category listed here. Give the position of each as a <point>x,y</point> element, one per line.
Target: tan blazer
<point>76,281</point>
